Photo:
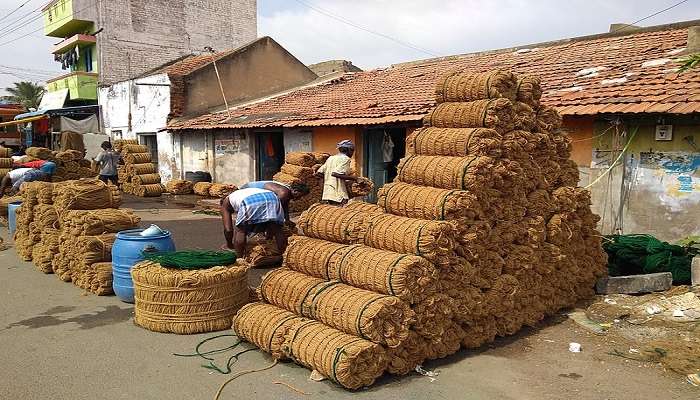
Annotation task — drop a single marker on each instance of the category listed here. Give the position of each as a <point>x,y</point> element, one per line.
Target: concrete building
<point>108,41</point>
<point>619,93</point>
<point>141,107</point>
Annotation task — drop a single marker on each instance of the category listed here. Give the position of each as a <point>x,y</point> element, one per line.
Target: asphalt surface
<point>57,342</point>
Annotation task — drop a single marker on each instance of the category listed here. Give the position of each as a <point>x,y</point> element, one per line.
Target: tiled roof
<point>187,64</point>
<point>634,73</point>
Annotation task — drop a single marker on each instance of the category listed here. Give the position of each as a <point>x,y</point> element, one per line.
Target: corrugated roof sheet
<point>580,77</point>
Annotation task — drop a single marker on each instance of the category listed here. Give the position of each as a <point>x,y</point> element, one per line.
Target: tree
<point>689,62</point>
<point>28,94</point>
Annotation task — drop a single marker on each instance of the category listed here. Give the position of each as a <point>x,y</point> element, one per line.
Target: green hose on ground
<point>644,254</point>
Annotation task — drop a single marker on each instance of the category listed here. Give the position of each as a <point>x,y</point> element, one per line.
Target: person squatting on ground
<point>255,211</point>
<point>335,173</point>
<point>108,160</point>
<point>17,177</point>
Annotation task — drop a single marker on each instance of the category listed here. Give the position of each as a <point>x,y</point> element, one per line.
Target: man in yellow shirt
<point>335,172</point>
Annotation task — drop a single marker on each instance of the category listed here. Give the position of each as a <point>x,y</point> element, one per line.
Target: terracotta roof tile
<point>406,90</point>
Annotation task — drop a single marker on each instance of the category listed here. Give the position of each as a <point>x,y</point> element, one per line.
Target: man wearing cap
<point>335,174</point>
<point>18,176</point>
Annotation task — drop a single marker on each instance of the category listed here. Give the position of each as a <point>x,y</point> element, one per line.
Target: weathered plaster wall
<point>233,156</point>
<point>298,140</point>
<point>660,193</point>
<point>325,139</point>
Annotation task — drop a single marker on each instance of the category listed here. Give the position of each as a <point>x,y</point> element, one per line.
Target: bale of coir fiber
<point>179,186</point>
<point>137,158</point>
<point>448,343</point>
<point>42,153</point>
<point>5,163</point>
<point>471,172</point>
<point>140,169</point>
<point>85,194</point>
<point>345,359</point>
<point>528,90</point>
<point>332,223</point>
<point>302,159</point>
<point>69,155</point>
<point>44,251</point>
<point>263,254</point>
<point>222,190</point>
<point>265,326</point>
<point>465,86</point>
<point>133,148</point>
<point>287,179</point>
<point>361,187</point>
<point>495,114</point>
<point>430,203</point>
<point>188,301</point>
<point>380,318</point>
<point>150,190</point>
<point>320,157</point>
<point>434,240</point>
<point>408,356</point>
<point>548,119</point>
<point>458,142</point>
<point>146,179</point>
<point>364,206</point>
<point>296,170</point>
<point>5,152</point>
<point>202,188</point>
<point>405,276</point>
<point>46,216</point>
<point>97,222</point>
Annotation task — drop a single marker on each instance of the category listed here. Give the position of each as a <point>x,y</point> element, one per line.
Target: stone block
<point>633,284</point>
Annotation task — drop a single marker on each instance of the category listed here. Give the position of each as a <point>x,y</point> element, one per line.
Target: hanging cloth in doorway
<point>387,148</point>
<point>269,147</point>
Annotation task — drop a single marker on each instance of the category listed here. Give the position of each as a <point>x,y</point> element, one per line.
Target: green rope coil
<point>192,259</point>
<point>645,254</point>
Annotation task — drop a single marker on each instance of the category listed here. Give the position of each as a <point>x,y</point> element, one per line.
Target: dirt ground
<point>60,343</point>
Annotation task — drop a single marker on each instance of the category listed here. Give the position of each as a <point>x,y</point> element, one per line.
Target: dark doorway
<point>270,152</point>
<point>381,159</point>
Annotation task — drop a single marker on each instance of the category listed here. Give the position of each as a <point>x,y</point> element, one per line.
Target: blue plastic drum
<point>127,251</point>
<point>12,216</point>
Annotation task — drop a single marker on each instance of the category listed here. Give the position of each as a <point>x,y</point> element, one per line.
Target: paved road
<point>57,342</point>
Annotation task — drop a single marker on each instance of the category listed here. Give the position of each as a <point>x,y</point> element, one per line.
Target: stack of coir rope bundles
<point>138,176</point>
<point>5,161</point>
<point>88,219</point>
<point>300,168</point>
<point>460,250</point>
<point>71,165</point>
<point>29,228</point>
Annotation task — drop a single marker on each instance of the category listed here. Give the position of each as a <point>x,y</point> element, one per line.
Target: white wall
<point>147,99</point>
<point>298,140</point>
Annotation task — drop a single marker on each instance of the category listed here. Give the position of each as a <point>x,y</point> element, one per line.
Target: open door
<point>270,152</point>
<point>384,147</point>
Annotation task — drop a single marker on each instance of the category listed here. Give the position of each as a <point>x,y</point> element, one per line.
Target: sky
<point>374,33</point>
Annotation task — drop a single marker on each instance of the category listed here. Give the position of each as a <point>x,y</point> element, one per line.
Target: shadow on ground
<point>108,316</point>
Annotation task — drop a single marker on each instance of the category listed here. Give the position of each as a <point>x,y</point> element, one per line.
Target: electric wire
<point>649,16</point>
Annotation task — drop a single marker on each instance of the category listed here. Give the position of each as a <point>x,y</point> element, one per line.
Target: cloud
<point>443,27</point>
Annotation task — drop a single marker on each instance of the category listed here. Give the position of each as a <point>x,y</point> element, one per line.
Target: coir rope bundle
<point>408,356</point>
<point>42,153</point>
<point>179,186</point>
<point>296,170</point>
<point>287,179</point>
<point>426,202</point>
<point>361,187</point>
<point>434,240</point>
<point>119,143</point>
<point>548,119</point>
<point>301,159</point>
<point>69,155</point>
<point>85,194</point>
<point>471,172</point>
<point>44,252</point>
<point>528,90</point>
<point>146,179</point>
<point>5,164</point>
<point>96,222</point>
<point>202,188</point>
<point>188,301</point>
<point>98,278</point>
<point>221,190</point>
<point>265,326</point>
<point>457,142</point>
<point>140,169</point>
<point>345,359</point>
<point>150,190</point>
<point>380,318</point>
<point>5,152</point>
<point>524,116</point>
<point>137,158</point>
<point>133,148</point>
<point>336,224</point>
<point>405,276</point>
<point>359,205</point>
<point>495,113</point>
<point>466,86</point>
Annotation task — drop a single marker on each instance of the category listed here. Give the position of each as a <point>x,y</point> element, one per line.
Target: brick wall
<point>140,35</point>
